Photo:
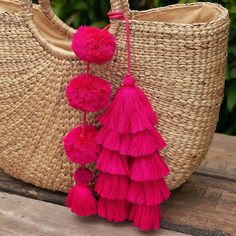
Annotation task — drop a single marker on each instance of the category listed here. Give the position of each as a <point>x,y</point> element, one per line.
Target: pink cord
<point>85,114</point>
<point>120,16</point>
<point>88,68</point>
<point>84,124</point>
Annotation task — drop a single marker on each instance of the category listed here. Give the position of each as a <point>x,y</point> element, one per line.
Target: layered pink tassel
<point>128,132</point>
<point>147,188</point>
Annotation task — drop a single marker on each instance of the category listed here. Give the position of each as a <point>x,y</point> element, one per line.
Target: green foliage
<point>93,12</point>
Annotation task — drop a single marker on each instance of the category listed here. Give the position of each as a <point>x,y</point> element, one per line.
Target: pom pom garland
<point>88,93</point>
<point>93,45</point>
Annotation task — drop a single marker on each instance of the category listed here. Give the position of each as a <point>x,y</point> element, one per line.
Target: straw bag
<point>178,56</point>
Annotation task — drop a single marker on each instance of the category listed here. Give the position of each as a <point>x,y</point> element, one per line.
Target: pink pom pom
<point>112,162</point>
<point>83,176</point>
<point>80,148</point>
<point>81,201</point>
<point>145,217</point>
<point>112,186</point>
<point>88,93</point>
<point>93,45</point>
<point>113,210</point>
<point>149,192</point>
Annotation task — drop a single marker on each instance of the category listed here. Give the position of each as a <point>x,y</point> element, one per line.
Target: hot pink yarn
<point>81,201</point>
<point>79,148</point>
<point>128,129</point>
<point>88,93</point>
<point>147,188</point>
<point>93,45</point>
<point>83,176</point>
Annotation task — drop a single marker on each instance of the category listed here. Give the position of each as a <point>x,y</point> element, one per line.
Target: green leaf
<point>233,73</point>
<point>227,74</point>
<point>231,96</point>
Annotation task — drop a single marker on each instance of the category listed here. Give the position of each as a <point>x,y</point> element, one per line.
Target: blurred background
<point>94,12</point>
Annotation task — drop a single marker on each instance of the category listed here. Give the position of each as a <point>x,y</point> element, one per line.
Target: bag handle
<point>26,5</point>
<point>120,5</point>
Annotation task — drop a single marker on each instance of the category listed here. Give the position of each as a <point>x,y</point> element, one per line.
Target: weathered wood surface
<point>221,158</point>
<point>204,205</point>
<point>26,217</point>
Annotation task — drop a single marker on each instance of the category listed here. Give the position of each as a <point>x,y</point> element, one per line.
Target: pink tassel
<point>148,168</point>
<point>145,217</point>
<point>113,210</point>
<point>112,162</point>
<point>141,143</point>
<point>81,201</point>
<point>112,186</point>
<point>130,111</point>
<point>149,193</point>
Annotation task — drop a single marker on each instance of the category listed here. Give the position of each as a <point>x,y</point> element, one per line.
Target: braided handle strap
<point>116,5</point>
<point>26,6</point>
<point>120,5</point>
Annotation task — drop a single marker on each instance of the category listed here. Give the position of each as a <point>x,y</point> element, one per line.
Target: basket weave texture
<point>180,66</point>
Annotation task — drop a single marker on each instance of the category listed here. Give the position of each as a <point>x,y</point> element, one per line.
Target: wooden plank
<point>205,205</point>
<point>221,158</point>
<point>202,206</point>
<point>24,216</point>
<point>12,185</point>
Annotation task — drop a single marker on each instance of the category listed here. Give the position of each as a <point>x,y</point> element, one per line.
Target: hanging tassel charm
<point>80,198</point>
<point>88,93</point>
<point>128,132</point>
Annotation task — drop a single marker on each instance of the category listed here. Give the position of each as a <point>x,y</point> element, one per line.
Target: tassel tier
<point>113,210</point>
<point>145,217</point>
<point>148,168</point>
<point>130,111</point>
<point>112,186</point>
<point>138,144</point>
<point>112,162</point>
<point>152,192</point>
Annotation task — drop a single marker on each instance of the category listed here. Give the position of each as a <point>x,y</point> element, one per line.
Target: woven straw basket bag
<point>178,56</point>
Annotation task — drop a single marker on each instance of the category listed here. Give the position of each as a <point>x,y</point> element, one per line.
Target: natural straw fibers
<point>178,57</point>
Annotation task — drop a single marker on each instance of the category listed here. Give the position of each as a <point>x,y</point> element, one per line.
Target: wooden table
<point>204,205</point>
